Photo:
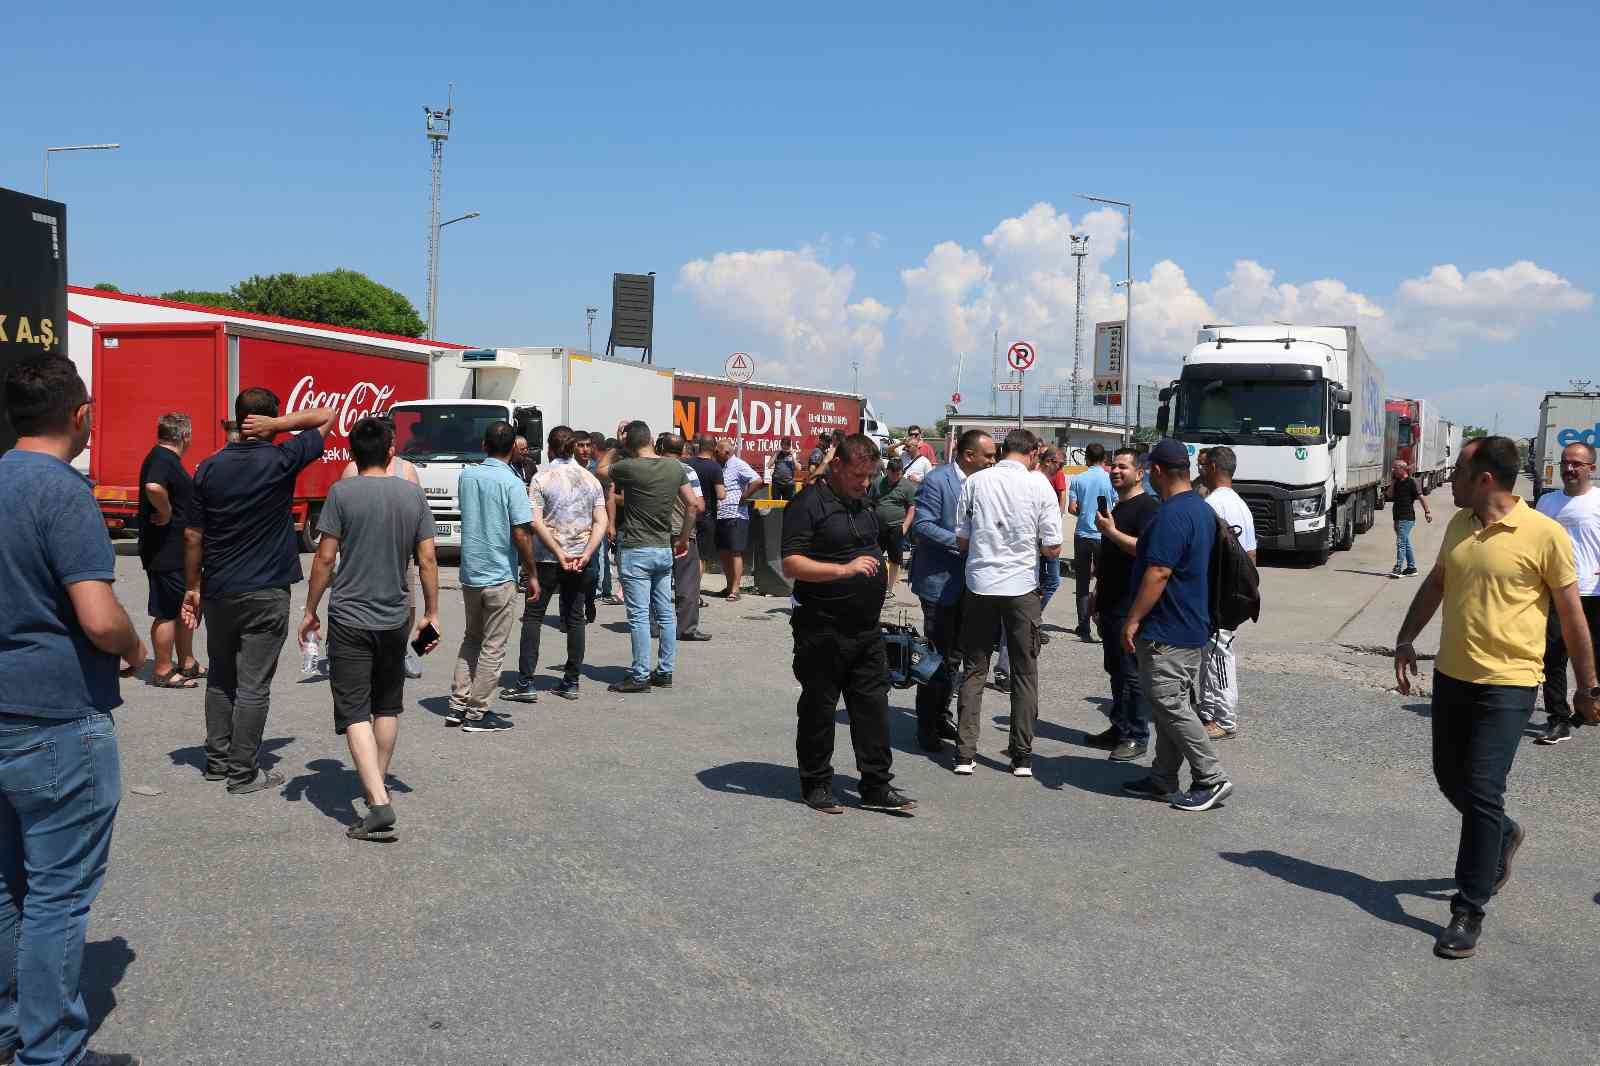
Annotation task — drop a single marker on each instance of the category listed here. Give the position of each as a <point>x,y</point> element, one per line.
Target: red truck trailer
<point>142,371</point>
<point>768,414</point>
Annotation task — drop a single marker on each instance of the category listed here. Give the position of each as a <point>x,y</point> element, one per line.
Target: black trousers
<point>941,627</point>
<point>686,588</point>
<point>1476,730</point>
<point>1128,712</point>
<point>1555,659</point>
<point>574,587</point>
<point>828,664</point>
<point>1085,550</point>
<point>244,636</point>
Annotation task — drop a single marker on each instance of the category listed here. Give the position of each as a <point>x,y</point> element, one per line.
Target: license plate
<point>444,529</point>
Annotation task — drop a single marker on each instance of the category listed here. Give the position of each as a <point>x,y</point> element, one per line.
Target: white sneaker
<point>968,767</point>
<point>1022,771</point>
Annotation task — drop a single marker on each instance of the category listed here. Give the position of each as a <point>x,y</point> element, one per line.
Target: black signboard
<point>633,309</point>
<point>33,283</point>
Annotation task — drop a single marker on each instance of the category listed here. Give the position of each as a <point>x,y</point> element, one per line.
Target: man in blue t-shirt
<point>240,557</point>
<point>62,634</point>
<point>1168,627</point>
<point>1083,500</point>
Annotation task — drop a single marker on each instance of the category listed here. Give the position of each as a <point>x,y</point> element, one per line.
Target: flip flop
<point>196,672</point>
<point>174,679</point>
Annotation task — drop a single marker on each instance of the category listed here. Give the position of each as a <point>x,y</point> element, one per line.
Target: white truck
<point>532,388</point>
<point>1303,409</point>
<point>1452,448</point>
<point>1564,418</point>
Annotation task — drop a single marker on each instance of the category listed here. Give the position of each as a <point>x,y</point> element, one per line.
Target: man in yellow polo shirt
<point>1501,567</point>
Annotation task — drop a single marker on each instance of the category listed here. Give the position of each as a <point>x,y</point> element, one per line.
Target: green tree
<point>204,298</point>
<point>105,286</point>
<point>1470,431</point>
<point>338,297</point>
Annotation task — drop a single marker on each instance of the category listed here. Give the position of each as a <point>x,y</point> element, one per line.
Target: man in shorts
<point>374,524</point>
<point>164,491</point>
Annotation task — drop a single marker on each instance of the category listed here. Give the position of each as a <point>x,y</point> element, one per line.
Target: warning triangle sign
<point>740,362</point>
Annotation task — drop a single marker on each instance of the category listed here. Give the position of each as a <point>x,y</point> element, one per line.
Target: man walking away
<point>1501,567</point>
<point>783,471</point>
<point>1168,627</point>
<point>740,484</point>
<point>1008,518</point>
<point>62,634</point>
<point>496,539</point>
<point>1219,677</point>
<point>1129,735</point>
<point>686,568</point>
<point>1085,493</point>
<point>712,492</point>
<point>1406,494</point>
<point>830,552</point>
<point>893,497</point>
<point>653,485</point>
<point>374,524</point>
<point>938,577</point>
<point>1577,508</point>
<point>241,555</point>
<point>165,488</point>
<point>569,526</point>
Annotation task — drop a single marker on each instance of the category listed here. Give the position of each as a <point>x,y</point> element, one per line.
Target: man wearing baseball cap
<point>1168,627</point>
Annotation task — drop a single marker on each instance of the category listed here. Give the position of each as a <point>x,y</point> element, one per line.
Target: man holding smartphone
<point>373,524</point>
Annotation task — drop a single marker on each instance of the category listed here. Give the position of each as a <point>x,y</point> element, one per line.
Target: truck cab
<point>441,438</point>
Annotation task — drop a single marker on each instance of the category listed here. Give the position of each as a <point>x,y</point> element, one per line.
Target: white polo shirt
<point>1007,513</point>
<point>1233,510</point>
<point>1580,517</point>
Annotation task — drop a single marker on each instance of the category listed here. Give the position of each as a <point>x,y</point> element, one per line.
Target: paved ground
<point>631,880</point>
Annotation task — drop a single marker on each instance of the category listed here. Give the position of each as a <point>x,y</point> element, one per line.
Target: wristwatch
<point>1592,693</point>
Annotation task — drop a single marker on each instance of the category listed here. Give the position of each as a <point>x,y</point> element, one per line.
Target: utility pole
<point>994,376</point>
<point>1127,323</point>
<point>438,132</point>
<point>589,313</point>
<point>1080,248</point>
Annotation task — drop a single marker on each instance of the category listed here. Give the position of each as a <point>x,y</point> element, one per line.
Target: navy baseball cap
<point>1169,453</point>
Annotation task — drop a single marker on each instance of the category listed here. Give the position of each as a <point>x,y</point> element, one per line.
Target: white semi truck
<point>531,388</point>
<point>1564,418</point>
<point>1303,409</point>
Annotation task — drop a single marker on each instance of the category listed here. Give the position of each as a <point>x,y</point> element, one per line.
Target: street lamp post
<point>1127,323</point>
<point>589,313</point>
<point>433,275</point>
<point>71,148</point>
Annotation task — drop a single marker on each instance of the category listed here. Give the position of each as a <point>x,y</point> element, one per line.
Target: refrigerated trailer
<point>1564,418</point>
<point>1423,442</point>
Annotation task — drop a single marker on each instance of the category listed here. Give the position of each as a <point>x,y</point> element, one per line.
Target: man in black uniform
<point>830,552</point>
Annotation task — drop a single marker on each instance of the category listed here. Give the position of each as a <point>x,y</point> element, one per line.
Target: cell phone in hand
<point>1100,501</point>
<point>429,635</point>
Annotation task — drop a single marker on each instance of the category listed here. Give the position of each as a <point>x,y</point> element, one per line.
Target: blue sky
<point>1365,146</point>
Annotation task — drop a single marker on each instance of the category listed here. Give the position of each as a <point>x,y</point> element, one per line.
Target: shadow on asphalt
<point>1381,899</point>
<point>764,780</point>
<point>1365,573</point>
<point>105,963</point>
<point>333,788</point>
<point>195,757</point>
<point>1421,710</point>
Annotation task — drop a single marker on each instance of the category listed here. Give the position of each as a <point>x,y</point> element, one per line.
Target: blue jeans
<point>1049,580</point>
<point>1403,558</point>
<point>646,575</point>
<point>60,782</point>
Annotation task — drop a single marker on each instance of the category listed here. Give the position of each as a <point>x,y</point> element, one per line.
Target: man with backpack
<point>1219,680</point>
<point>1168,628</point>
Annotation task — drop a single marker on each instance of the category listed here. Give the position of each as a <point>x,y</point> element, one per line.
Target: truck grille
<point>1264,512</point>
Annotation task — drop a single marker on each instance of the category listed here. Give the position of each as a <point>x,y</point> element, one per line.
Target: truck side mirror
<point>1342,396</point>
<point>1162,418</point>
<point>1165,395</point>
<point>1339,423</point>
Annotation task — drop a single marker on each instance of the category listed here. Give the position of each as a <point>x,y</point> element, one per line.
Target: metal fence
<point>1077,401</point>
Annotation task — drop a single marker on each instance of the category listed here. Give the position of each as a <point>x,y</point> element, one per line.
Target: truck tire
<point>1367,511</point>
<point>1344,538</point>
<point>308,534</point>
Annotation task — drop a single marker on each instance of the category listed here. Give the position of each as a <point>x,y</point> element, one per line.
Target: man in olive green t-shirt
<point>652,486</point>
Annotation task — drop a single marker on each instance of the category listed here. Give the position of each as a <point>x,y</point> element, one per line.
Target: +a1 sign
<point>1020,355</point>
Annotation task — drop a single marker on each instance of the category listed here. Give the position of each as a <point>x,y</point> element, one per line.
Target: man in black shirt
<point>1129,735</point>
<point>164,491</point>
<point>709,471</point>
<point>1406,494</point>
<point>830,552</point>
<point>241,540</point>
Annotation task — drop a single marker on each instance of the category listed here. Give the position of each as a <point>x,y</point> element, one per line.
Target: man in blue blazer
<point>938,578</point>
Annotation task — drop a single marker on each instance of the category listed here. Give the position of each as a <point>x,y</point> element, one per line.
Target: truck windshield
<point>444,433</point>
<point>1283,412</point>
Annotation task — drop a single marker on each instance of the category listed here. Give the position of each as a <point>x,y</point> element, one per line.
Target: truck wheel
<point>308,534</point>
<point>1345,537</point>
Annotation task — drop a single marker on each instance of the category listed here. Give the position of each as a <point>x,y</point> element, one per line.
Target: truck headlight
<point>1306,508</point>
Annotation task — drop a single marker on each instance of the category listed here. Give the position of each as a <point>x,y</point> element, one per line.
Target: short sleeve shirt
<point>379,522</point>
<point>736,477</point>
<point>1180,536</point>
<point>493,500</point>
<point>53,535</point>
<point>1497,585</point>
<point>1580,517</point>
<point>1087,489</point>
<point>243,499</point>
<point>651,489</point>
<point>161,547</point>
<point>1232,509</point>
<point>680,510</point>
<point>1114,567</point>
<point>710,472</point>
<point>828,528</point>
<point>1405,495</point>
<point>565,495</point>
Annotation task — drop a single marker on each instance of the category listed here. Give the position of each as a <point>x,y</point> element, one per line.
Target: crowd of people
<point>984,530</point>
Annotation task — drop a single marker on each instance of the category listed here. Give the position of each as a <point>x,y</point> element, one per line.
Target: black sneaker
<point>930,745</point>
<point>628,684</point>
<point>1128,751</point>
<point>209,775</point>
<point>453,716</point>
<point>1409,571</point>
<point>1002,682</point>
<point>489,722</point>
<point>588,611</point>
<point>821,799</point>
<point>566,691</point>
<point>523,693</point>
<point>100,1058</point>
<point>1555,731</point>
<point>1106,739</point>
<point>1396,574</point>
<point>1460,938</point>
<point>886,799</point>
<point>1147,788</point>
<point>1044,638</point>
<point>694,635</point>
<point>1508,851</point>
<point>660,680</point>
<point>263,780</point>
<point>1202,799</point>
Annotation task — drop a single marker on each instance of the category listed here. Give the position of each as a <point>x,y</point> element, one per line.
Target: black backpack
<point>1235,584</point>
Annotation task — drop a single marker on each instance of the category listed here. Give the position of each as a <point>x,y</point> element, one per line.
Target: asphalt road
<point>632,880</point>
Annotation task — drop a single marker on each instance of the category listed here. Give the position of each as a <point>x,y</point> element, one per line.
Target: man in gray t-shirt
<point>374,525</point>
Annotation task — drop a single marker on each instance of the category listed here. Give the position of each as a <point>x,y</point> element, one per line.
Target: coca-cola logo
<point>364,399</point>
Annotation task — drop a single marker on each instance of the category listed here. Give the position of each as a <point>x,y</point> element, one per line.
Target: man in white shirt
<point>1577,508</point>
<point>741,483</point>
<point>913,463</point>
<point>1007,519</point>
<point>1219,677</point>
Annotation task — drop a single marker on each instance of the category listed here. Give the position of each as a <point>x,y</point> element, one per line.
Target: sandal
<point>196,672</point>
<point>174,679</point>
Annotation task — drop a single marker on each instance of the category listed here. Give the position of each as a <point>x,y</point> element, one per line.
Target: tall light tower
<point>438,133</point>
<point>589,313</point>
<point>1080,248</point>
